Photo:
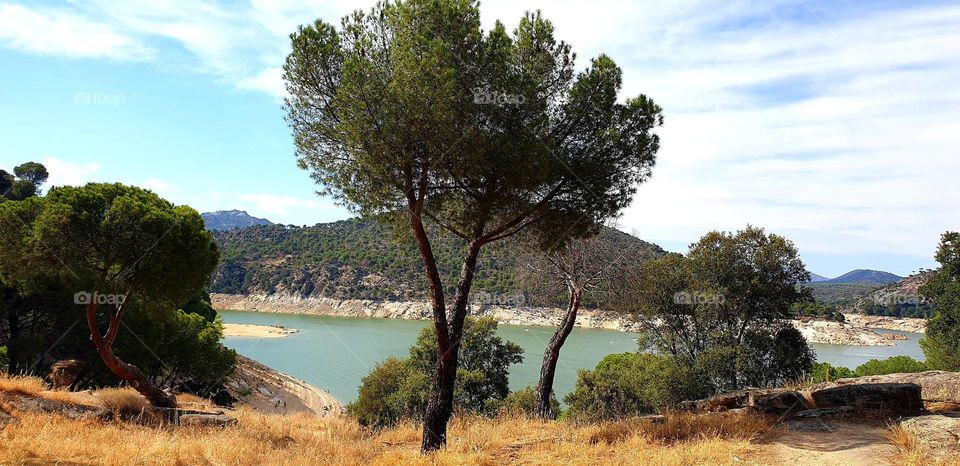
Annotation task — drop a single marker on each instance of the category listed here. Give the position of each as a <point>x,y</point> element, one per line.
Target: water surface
<point>334,353</point>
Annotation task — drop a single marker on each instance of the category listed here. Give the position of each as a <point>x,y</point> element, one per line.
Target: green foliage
<point>398,388</point>
<point>628,384</point>
<point>523,402</point>
<point>892,365</point>
<point>24,182</point>
<point>941,346</point>
<point>111,238</point>
<point>722,310</point>
<point>826,372</point>
<point>3,357</point>
<point>392,391</point>
<point>907,309</point>
<point>811,309</point>
<point>840,294</point>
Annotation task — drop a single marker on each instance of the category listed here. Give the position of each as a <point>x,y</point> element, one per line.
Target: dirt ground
<point>828,442</point>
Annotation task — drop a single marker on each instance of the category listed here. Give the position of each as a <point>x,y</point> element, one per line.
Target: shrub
<point>825,372</point>
<point>392,391</point>
<point>894,365</point>
<point>628,384</point>
<point>398,389</point>
<point>524,403</point>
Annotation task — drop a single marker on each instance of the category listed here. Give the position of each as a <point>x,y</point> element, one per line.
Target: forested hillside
<point>360,259</point>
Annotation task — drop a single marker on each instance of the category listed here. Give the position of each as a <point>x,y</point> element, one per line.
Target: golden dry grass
<point>306,439</point>
<point>911,451</point>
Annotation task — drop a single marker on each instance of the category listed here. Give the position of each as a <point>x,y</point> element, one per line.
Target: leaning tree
<point>413,113</point>
<point>583,268</point>
<point>117,248</point>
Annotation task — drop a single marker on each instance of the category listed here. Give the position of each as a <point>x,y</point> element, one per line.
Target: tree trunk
<point>552,354</point>
<point>128,372</point>
<point>13,353</point>
<point>440,404</point>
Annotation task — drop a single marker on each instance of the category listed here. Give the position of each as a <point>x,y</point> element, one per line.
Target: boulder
<point>21,402</point>
<point>885,398</point>
<point>64,372</point>
<point>937,386</point>
<point>939,433</point>
<point>772,401</point>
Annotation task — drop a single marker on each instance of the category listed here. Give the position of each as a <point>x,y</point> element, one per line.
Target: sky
<point>835,123</point>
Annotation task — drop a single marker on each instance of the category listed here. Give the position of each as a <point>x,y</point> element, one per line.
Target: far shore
<point>257,331</point>
<point>857,331</point>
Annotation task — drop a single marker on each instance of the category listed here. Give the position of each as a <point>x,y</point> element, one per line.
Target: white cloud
<point>282,206</point>
<point>833,123</point>
<point>61,32</point>
<point>64,173</point>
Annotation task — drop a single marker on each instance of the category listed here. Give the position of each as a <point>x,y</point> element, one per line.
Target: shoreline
<point>257,331</point>
<point>851,333</point>
<point>267,390</point>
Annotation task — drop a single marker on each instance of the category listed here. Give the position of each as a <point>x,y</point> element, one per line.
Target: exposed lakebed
<point>334,353</point>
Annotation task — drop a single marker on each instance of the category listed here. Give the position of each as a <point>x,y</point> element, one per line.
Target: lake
<point>334,353</point>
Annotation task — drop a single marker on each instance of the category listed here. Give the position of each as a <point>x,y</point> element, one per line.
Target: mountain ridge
<point>220,220</point>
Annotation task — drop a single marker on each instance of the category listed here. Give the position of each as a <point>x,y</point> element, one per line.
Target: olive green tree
<point>941,346</point>
<point>723,310</point>
<point>117,247</point>
<point>412,111</point>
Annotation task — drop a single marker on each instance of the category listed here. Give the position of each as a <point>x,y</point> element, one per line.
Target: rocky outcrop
<point>936,386</point>
<point>515,315</point>
<point>768,400</point>
<point>888,323</point>
<point>29,403</point>
<point>837,333</point>
<point>885,398</point>
<point>938,433</point>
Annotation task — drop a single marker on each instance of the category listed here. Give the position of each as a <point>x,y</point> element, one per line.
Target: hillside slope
<point>360,259</point>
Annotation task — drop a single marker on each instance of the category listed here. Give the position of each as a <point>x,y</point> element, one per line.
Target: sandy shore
<point>257,331</point>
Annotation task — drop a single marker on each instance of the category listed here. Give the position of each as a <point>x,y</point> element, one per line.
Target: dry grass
<point>681,427</point>
<point>22,385</point>
<point>911,451</point>
<point>305,439</point>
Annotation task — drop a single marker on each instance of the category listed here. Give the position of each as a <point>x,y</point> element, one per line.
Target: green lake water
<point>334,353</point>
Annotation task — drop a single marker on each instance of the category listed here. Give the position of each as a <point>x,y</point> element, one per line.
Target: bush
<point>894,365</point>
<point>524,403</point>
<point>392,391</point>
<point>398,388</point>
<point>825,372</point>
<point>628,384</point>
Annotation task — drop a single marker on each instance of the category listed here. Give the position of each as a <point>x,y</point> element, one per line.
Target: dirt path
<point>828,443</point>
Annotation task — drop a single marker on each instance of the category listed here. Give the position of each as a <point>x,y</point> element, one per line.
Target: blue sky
<point>832,123</point>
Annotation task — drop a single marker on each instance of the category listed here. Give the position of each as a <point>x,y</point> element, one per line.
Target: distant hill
<point>840,294</point>
<point>359,259</point>
<point>230,219</point>
<point>899,299</point>
<point>814,278</point>
<point>866,276</point>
